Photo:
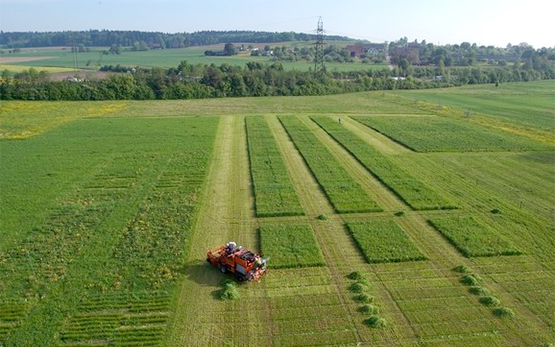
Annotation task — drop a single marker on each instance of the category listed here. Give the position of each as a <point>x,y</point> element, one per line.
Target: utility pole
<point>319,48</point>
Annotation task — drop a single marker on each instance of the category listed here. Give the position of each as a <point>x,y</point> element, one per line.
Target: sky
<point>484,22</point>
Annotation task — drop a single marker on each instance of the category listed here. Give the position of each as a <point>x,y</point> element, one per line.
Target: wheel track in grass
<point>442,255</point>
<point>225,214</point>
<point>339,250</point>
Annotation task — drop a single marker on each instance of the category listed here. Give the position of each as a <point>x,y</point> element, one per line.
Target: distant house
<point>360,49</point>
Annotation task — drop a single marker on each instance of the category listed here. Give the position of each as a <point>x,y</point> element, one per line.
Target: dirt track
<point>13,60</point>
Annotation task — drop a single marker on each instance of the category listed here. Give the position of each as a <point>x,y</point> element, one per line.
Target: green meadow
<point>391,218</point>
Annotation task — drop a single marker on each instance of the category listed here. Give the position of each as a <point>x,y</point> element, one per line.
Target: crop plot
<point>82,250</point>
<point>273,190</point>
<point>306,310</point>
<point>290,245</point>
<point>415,193</point>
<point>436,307</point>
<point>441,134</point>
<point>472,237</point>
<point>345,194</point>
<point>383,241</point>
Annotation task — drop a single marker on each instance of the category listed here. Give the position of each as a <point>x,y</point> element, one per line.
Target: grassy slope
<point>519,104</point>
<point>422,301</point>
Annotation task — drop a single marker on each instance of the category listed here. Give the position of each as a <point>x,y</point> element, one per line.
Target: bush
<point>489,301</point>
<point>363,298</point>
<point>496,211</point>
<point>322,217</point>
<point>376,322</point>
<point>503,312</point>
<point>357,287</point>
<point>369,309</point>
<point>355,276</point>
<point>463,269</point>
<point>481,291</point>
<point>470,280</point>
<point>399,213</point>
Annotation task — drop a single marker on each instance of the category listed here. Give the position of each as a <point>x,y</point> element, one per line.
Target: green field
<point>62,57</point>
<point>440,134</point>
<point>108,210</point>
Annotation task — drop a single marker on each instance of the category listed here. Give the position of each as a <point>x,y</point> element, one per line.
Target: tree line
<point>403,52</point>
<point>188,81</point>
<point>107,38</point>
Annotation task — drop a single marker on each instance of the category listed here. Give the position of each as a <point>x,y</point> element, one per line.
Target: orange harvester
<point>244,264</point>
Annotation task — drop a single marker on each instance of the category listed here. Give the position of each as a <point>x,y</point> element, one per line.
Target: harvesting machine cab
<point>246,265</point>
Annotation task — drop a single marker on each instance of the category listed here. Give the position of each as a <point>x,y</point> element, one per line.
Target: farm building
<point>359,49</point>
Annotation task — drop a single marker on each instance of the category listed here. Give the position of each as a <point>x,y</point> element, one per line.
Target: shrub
<point>363,298</point>
<point>503,312</point>
<point>322,217</point>
<point>355,276</point>
<point>481,291</point>
<point>357,287</point>
<point>463,269</point>
<point>369,309</point>
<point>470,280</point>
<point>399,213</point>
<point>376,321</point>
<point>496,211</point>
<point>489,301</point>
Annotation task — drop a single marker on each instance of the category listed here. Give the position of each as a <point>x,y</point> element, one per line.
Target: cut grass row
<point>383,241</point>
<point>345,194</point>
<point>415,193</point>
<point>274,194</point>
<point>290,245</point>
<point>472,237</point>
<point>441,134</point>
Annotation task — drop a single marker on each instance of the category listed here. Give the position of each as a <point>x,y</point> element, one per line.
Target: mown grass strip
<point>472,237</point>
<point>441,134</point>
<point>345,194</point>
<point>383,241</point>
<point>274,194</point>
<point>290,245</point>
<point>409,189</point>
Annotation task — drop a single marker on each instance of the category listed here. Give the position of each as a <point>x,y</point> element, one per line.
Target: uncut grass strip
<point>274,194</point>
<point>344,193</point>
<point>412,191</point>
<point>290,245</point>
<point>449,135</point>
<point>472,237</point>
<point>383,241</point>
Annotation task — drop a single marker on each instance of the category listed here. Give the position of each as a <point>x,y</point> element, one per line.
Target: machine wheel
<point>223,269</point>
